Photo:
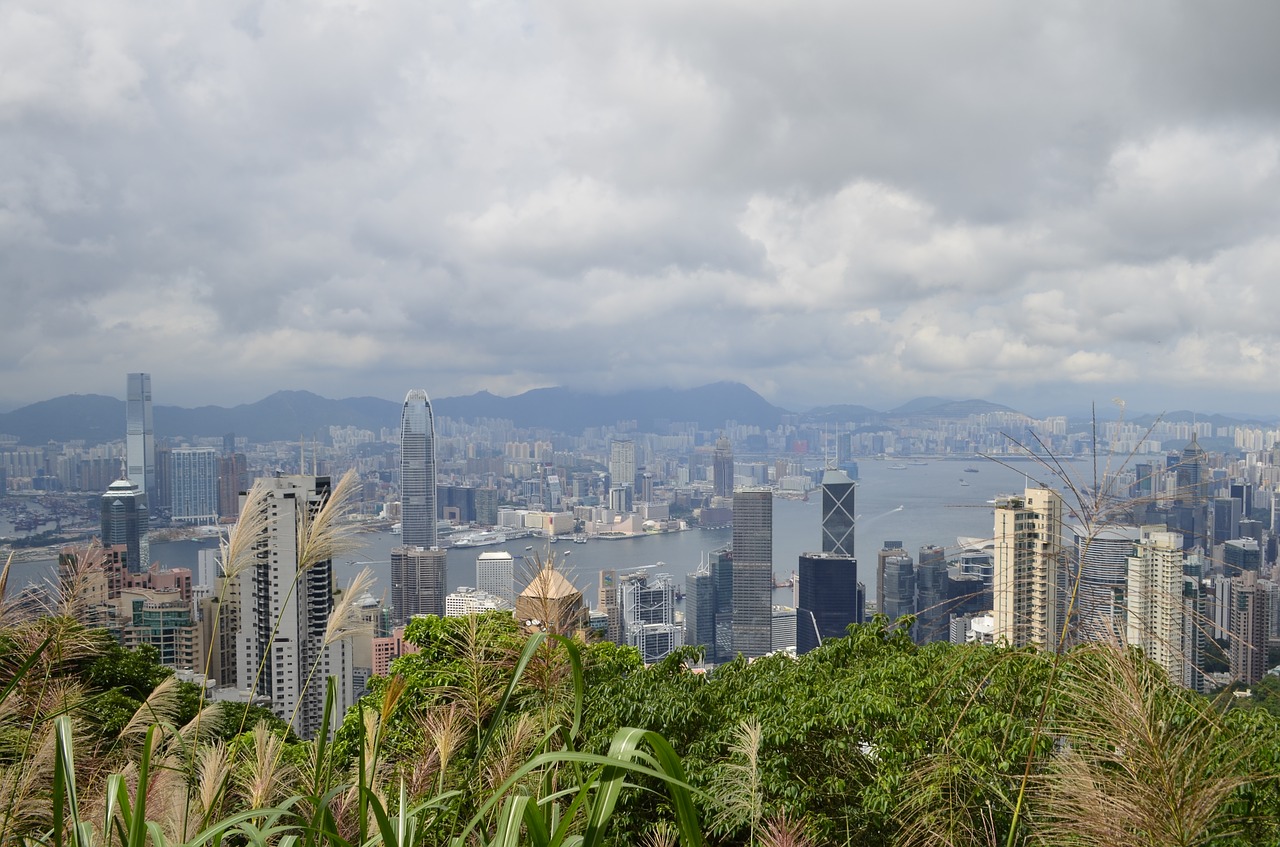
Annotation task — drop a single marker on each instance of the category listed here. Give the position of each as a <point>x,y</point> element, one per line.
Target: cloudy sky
<point>1033,203</point>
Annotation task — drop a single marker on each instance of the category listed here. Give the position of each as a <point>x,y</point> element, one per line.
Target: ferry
<point>481,539</point>
<point>970,469</point>
<point>897,467</point>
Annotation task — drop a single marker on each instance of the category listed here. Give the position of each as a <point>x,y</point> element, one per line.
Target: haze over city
<point>844,202</point>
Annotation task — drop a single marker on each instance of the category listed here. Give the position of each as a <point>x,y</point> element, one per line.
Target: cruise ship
<point>481,539</point>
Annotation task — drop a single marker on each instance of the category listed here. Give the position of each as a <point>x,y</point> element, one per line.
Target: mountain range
<point>294,415</point>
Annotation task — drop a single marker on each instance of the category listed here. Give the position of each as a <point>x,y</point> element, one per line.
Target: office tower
<point>646,611</point>
<point>837,513</point>
<point>895,582</point>
<point>1240,555</point>
<point>417,582</point>
<point>1195,622</point>
<point>607,598</point>
<point>722,577</point>
<point>931,596</point>
<point>700,610</point>
<point>193,480</point>
<point>783,633</point>
<point>1026,567</point>
<point>1154,611</point>
<point>496,574</point>
<point>1243,491</point>
<point>622,465</point>
<point>722,467</point>
<point>1250,622</point>
<point>1191,476</point>
<point>140,438</point>
<point>828,599</point>
<point>1100,561</point>
<point>1227,513</point>
<point>125,522</point>
<point>285,606</point>
<point>233,477</point>
<point>550,603</point>
<point>418,474</point>
<point>752,571</point>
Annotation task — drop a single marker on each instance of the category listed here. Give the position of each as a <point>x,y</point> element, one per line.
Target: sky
<point>833,202</point>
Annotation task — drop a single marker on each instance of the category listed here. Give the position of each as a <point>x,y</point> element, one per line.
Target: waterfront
<point>923,504</point>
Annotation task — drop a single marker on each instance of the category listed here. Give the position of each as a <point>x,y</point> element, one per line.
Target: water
<point>921,505</point>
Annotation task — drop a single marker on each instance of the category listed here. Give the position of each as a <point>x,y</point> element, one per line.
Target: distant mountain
<point>291,415</point>
<point>842,413</point>
<point>568,410</point>
<point>91,417</point>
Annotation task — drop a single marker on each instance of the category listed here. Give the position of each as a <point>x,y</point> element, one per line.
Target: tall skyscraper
<point>193,481</point>
<point>140,439</point>
<point>1154,601</point>
<point>752,571</point>
<point>622,464</point>
<point>284,611</point>
<point>722,467</point>
<point>837,513</point>
<point>124,523</point>
<point>895,582</point>
<point>1100,561</point>
<point>829,599</point>
<point>932,606</point>
<point>646,610</point>
<point>700,610</point>
<point>417,582</point>
<point>418,473</point>
<point>1028,561</point>
<point>1250,622</point>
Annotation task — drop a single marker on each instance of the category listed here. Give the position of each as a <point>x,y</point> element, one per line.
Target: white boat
<point>898,467</point>
<point>481,539</point>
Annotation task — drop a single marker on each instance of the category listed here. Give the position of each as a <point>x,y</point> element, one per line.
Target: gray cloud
<point>833,202</point>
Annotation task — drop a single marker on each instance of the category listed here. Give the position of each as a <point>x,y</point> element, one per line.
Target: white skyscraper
<point>284,611</point>
<point>417,472</point>
<point>622,463</point>
<point>140,439</point>
<point>193,485</point>
<point>1154,606</point>
<point>495,573</point>
<point>1028,559</point>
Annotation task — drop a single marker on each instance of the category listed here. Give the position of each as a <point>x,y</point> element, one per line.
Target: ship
<point>898,467</point>
<point>481,539</point>
<point>917,462</point>
<point>970,469</point>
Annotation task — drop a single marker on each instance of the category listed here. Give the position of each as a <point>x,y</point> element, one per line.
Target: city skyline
<point>852,201</point>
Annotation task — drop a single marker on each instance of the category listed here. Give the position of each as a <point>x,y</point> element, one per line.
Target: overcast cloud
<point>1033,203</point>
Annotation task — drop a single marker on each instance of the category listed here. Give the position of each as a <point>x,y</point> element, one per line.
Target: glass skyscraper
<point>140,439</point>
<point>417,472</point>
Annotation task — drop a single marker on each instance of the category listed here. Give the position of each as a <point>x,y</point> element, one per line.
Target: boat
<point>579,539</point>
<point>964,481</point>
<point>481,539</point>
<point>898,467</point>
<point>917,462</point>
<point>970,469</point>
<point>555,539</point>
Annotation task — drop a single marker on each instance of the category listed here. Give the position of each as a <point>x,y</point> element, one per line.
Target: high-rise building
<point>646,610</point>
<point>124,523</point>
<point>895,582</point>
<point>496,574</point>
<point>418,577</point>
<point>700,610</point>
<point>1191,475</point>
<point>470,601</point>
<point>622,465</point>
<point>1250,624</point>
<point>1227,513</point>
<point>752,571</point>
<point>1154,612</point>
<point>722,577</point>
<point>285,606</point>
<point>783,634</point>
<point>1099,559</point>
<point>931,596</point>
<point>193,480</point>
<point>140,438</point>
<point>838,514</point>
<point>1027,563</point>
<point>233,477</point>
<point>1240,555</point>
<point>418,473</point>
<point>828,599</point>
<point>722,467</point>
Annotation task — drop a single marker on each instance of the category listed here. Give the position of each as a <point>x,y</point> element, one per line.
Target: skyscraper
<point>1028,561</point>
<point>124,523</point>
<point>140,439</point>
<point>828,599</point>
<point>646,609</point>
<point>1100,561</point>
<point>895,582</point>
<point>722,467</point>
<point>1250,625</point>
<point>193,482</point>
<point>622,464</point>
<point>837,513</point>
<point>284,612</point>
<point>752,571</point>
<point>496,574</point>
<point>700,610</point>
<point>932,606</point>
<point>1154,601</point>
<point>417,582</point>
<point>418,473</point>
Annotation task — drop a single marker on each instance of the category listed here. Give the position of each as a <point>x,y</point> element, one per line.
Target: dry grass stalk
<point>238,549</point>
<point>737,785</point>
<point>1140,763</point>
<point>346,621</point>
<point>510,749</point>
<point>782,830</point>
<point>263,776</point>
<point>326,534</point>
